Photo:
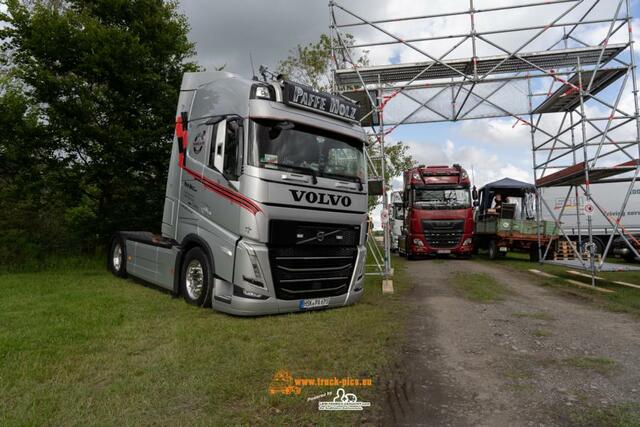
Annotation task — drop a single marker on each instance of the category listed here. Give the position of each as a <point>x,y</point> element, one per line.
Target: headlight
<point>260,91</point>
<point>467,242</point>
<point>418,242</point>
<point>258,278</point>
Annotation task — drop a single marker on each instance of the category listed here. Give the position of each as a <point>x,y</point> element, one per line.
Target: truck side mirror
<point>476,203</point>
<point>474,193</point>
<point>375,187</point>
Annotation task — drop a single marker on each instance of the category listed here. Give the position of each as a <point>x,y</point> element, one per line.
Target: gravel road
<point>537,358</point>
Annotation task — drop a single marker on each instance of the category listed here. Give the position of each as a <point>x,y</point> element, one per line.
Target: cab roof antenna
<point>253,69</point>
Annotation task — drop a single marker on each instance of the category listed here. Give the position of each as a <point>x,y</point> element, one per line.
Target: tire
<point>599,245</point>
<point>196,276</point>
<point>117,257</point>
<point>493,249</point>
<point>629,257</point>
<point>534,256</point>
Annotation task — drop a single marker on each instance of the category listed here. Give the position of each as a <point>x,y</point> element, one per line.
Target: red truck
<point>438,212</point>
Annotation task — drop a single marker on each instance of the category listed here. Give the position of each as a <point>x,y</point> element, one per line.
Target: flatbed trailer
<point>502,230</point>
<point>513,235</point>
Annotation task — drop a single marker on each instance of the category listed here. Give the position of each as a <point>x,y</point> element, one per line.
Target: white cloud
<point>500,133</point>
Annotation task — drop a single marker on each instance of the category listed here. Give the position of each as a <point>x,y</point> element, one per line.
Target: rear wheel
<point>117,257</point>
<point>534,255</point>
<point>196,277</point>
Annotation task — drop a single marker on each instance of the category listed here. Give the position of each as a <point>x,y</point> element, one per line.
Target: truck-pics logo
<point>282,383</point>
<point>321,198</point>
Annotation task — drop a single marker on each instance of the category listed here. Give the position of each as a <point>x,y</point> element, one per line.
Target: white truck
<point>609,197</point>
<point>266,200</point>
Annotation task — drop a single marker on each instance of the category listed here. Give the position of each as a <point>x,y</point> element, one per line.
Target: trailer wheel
<point>117,257</point>
<point>196,277</point>
<point>534,255</point>
<point>493,249</point>
<point>599,245</point>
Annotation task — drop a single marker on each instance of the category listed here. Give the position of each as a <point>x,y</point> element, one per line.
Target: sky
<point>227,33</point>
<point>490,149</point>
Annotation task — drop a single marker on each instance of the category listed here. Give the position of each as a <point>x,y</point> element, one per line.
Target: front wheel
<point>117,257</point>
<point>196,277</point>
<point>493,249</point>
<point>410,255</point>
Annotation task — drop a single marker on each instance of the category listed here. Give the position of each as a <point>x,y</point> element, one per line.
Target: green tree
<point>397,160</point>
<point>311,64</point>
<point>104,77</point>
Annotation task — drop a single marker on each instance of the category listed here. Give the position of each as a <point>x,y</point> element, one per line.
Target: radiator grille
<point>309,267</point>
<point>443,233</point>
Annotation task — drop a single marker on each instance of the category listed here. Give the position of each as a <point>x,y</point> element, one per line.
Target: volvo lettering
<point>321,198</point>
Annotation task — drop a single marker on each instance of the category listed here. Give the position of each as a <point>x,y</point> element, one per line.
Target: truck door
<point>212,159</point>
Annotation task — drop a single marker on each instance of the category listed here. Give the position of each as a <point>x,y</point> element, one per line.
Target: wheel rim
<point>194,278</point>
<point>117,257</point>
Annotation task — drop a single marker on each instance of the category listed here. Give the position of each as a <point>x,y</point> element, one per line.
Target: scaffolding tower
<point>565,69</point>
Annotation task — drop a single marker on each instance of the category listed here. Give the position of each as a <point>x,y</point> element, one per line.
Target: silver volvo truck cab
<point>266,200</point>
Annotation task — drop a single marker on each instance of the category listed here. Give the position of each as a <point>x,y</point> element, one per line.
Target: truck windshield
<point>458,198</point>
<point>306,150</point>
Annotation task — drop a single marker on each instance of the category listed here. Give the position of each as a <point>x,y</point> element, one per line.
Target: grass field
<point>81,347</point>
<point>624,299</point>
<point>479,287</point>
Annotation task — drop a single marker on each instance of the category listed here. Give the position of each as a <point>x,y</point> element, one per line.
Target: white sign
<point>343,401</point>
<point>588,209</point>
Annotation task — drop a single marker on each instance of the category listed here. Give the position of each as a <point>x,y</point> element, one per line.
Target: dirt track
<point>515,362</point>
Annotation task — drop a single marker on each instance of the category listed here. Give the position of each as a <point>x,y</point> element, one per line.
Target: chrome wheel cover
<point>194,279</point>
<point>117,257</point>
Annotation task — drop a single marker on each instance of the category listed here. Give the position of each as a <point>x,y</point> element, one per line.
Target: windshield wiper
<point>310,171</point>
<point>347,177</point>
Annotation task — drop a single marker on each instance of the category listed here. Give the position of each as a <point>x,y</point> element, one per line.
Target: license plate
<point>444,251</point>
<point>314,303</point>
<point>503,249</point>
